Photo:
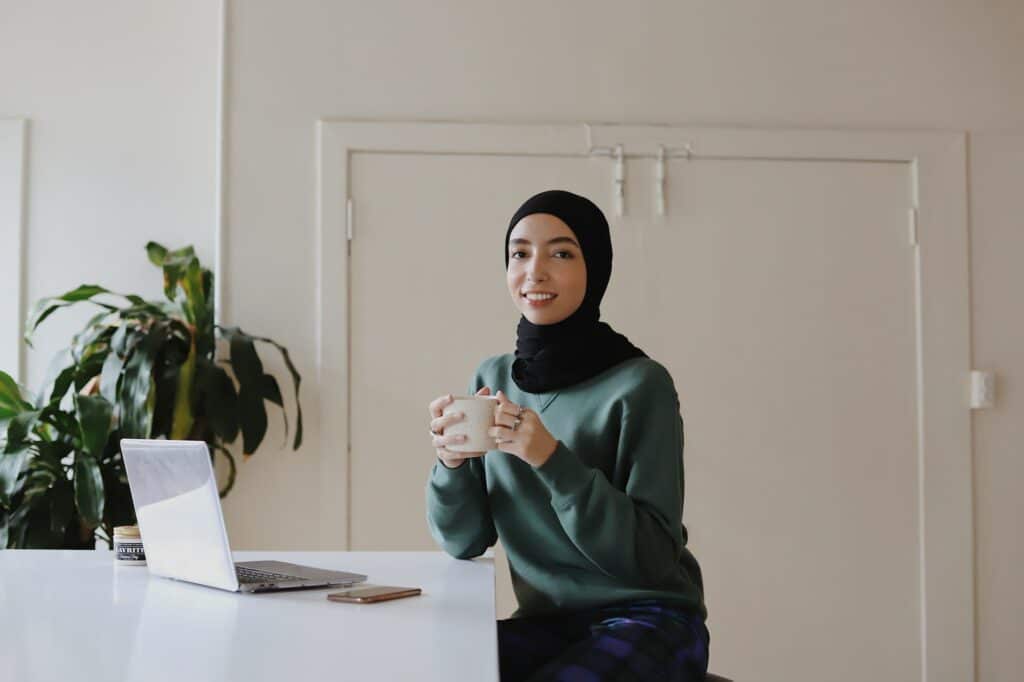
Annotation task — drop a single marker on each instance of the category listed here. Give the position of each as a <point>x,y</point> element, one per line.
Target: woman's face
<point>545,260</point>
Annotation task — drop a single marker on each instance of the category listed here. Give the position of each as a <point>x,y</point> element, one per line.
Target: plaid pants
<point>638,641</point>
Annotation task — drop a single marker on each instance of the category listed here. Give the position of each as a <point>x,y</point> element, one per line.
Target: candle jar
<point>128,546</point>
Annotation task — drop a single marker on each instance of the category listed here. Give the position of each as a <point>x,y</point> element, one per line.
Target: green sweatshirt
<point>601,521</point>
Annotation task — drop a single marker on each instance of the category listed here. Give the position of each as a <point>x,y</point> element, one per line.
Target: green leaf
<point>178,255</point>
<point>232,333</point>
<point>62,504</point>
<point>208,287</point>
<point>182,254</point>
<point>181,422</point>
<point>253,416</point>
<point>249,370</point>
<point>47,306</point>
<point>50,454</point>
<point>88,489</point>
<point>119,341</point>
<point>232,468</point>
<point>156,253</point>
<point>244,359</point>
<point>11,402</point>
<point>93,332</point>
<point>173,271</point>
<point>88,369</point>
<point>94,421</point>
<point>296,380</point>
<point>39,478</point>
<point>59,375</point>
<point>82,293</point>
<point>136,397</point>
<point>65,422</point>
<point>109,376</point>
<point>19,428</point>
<point>270,390</point>
<point>11,466</point>
<point>176,265</point>
<point>195,299</point>
<point>16,526</point>
<point>221,401</point>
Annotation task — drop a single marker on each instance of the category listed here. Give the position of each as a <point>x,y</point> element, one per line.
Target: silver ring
<point>520,412</point>
<point>516,423</point>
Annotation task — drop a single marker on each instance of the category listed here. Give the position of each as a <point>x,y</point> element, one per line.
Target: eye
<point>516,253</point>
<point>566,254</point>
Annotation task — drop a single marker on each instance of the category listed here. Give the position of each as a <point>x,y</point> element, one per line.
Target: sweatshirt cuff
<point>564,474</point>
<point>445,478</point>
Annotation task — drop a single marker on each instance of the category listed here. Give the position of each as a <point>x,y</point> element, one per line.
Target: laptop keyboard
<point>252,575</point>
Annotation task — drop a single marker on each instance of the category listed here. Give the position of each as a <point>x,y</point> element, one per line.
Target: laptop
<point>182,525</point>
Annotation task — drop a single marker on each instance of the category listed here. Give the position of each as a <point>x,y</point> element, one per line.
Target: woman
<point>584,485</point>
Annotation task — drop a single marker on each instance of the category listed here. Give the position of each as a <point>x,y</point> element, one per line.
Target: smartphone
<point>367,594</point>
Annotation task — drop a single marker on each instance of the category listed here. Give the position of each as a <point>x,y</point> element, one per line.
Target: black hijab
<point>553,356</point>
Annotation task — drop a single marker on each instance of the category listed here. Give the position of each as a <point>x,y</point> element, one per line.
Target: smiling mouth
<point>539,300</point>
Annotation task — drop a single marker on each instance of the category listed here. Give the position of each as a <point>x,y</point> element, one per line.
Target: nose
<point>535,270</point>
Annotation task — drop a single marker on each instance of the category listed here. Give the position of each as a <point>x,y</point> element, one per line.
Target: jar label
<point>129,551</point>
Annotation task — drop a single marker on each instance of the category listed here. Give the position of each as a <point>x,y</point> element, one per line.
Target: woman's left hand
<point>520,432</point>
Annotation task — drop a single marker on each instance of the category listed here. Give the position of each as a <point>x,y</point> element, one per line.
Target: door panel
<point>780,297</point>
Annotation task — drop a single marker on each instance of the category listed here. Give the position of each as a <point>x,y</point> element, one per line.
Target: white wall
<point>122,149</point>
<point>121,98</point>
<point>997,281</point>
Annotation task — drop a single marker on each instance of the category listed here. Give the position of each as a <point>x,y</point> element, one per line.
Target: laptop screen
<point>178,508</point>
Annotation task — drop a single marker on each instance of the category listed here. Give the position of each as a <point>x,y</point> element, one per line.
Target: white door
<point>781,296</point>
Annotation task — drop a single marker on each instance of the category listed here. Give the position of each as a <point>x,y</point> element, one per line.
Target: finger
<point>439,424</point>
<point>511,409</point>
<point>505,418</point>
<point>484,391</point>
<point>450,439</point>
<point>453,439</point>
<point>451,458</point>
<point>437,405</point>
<point>502,432</point>
<point>458,456</point>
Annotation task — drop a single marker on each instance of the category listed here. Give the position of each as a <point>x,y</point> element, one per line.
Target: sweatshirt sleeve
<point>458,512</point>
<point>636,534</point>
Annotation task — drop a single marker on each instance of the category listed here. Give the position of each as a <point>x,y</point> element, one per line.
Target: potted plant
<point>138,369</point>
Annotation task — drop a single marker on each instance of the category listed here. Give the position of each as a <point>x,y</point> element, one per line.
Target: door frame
<point>936,166</point>
<point>13,162</point>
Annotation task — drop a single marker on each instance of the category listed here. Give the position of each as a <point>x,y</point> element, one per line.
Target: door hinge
<point>618,156</point>
<point>983,389</point>
<point>619,180</point>
<point>348,218</point>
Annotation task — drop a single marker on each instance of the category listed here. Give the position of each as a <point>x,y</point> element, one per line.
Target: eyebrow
<point>556,240</point>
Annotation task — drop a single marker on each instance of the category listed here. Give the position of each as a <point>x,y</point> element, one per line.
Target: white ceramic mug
<point>479,411</point>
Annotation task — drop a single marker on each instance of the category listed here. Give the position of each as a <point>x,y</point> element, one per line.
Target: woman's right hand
<point>438,423</point>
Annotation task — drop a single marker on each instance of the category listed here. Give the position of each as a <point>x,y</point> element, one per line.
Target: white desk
<point>67,615</point>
